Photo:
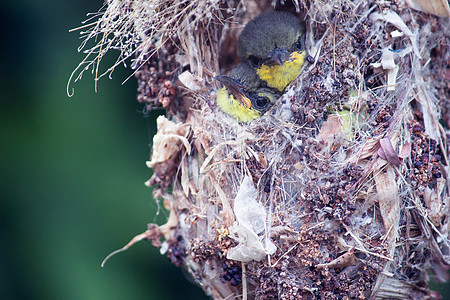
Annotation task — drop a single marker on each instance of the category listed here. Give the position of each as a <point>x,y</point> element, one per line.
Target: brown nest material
<point>341,191</point>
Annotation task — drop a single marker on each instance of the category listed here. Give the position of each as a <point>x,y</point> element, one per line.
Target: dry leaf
<point>192,82</point>
<point>435,7</point>
<point>168,140</point>
<point>388,200</point>
<point>434,204</point>
<point>387,152</point>
<point>346,259</point>
<point>331,127</point>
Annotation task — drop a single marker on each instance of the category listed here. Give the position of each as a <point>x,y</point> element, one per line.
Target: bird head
<point>243,104</point>
<point>273,43</point>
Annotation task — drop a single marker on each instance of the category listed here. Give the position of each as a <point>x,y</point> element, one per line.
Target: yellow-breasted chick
<point>244,96</point>
<point>273,43</point>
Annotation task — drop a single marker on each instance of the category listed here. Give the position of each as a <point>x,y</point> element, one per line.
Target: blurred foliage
<point>73,169</point>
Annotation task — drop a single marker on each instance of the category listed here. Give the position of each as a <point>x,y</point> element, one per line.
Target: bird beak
<point>235,89</point>
<point>277,57</point>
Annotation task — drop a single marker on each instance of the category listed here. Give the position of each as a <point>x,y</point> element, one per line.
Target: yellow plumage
<point>279,76</point>
<point>234,108</point>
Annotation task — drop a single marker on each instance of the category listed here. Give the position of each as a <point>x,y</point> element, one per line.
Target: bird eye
<point>254,60</point>
<point>299,43</point>
<point>262,102</point>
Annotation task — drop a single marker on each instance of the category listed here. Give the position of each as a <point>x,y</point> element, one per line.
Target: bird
<point>244,96</point>
<point>271,49</point>
<point>274,44</point>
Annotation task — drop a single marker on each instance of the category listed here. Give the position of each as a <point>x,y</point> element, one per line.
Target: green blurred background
<point>73,169</point>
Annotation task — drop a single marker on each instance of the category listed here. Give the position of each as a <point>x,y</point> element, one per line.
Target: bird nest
<point>340,191</point>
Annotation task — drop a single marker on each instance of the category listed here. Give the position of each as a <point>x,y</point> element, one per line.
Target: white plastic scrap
<point>396,33</point>
<point>388,55</point>
<point>388,63</point>
<point>250,227</point>
<point>393,18</point>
